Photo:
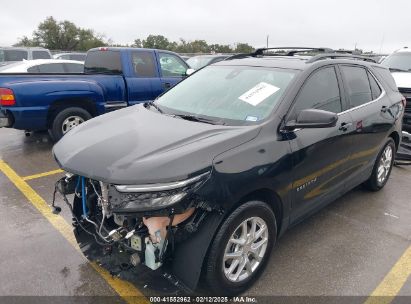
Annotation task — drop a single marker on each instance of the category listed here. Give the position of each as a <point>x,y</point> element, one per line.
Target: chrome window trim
<point>383,93</point>
<point>160,186</point>
<point>364,104</point>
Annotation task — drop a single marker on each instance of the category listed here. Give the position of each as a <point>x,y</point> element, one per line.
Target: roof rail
<point>238,56</point>
<point>293,50</point>
<point>339,55</point>
<point>325,53</point>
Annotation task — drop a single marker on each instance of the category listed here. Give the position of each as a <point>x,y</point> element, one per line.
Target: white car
<point>399,64</point>
<point>44,66</point>
<point>71,56</point>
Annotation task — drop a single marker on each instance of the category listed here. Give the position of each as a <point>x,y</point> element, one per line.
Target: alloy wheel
<point>245,249</point>
<point>384,166</point>
<point>70,123</point>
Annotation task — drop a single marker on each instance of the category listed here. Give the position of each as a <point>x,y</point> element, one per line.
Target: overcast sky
<point>371,24</point>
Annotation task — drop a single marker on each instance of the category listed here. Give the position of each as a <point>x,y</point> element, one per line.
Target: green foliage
<point>195,46</point>
<point>65,35</point>
<point>156,42</point>
<point>243,48</point>
<point>62,35</point>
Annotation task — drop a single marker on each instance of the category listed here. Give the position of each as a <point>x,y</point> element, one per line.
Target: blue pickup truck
<point>113,78</point>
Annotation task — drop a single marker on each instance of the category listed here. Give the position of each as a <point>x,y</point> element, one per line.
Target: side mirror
<point>313,118</point>
<point>189,72</point>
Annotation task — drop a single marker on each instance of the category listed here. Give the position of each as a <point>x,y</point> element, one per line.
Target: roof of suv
<point>297,63</point>
<point>293,60</point>
<point>285,62</point>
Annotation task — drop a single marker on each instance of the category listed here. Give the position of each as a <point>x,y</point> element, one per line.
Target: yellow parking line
<point>124,289</point>
<point>393,281</point>
<point>26,178</point>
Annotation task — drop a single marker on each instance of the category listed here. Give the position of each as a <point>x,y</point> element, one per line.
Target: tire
<point>66,119</point>
<point>216,268</point>
<point>375,182</point>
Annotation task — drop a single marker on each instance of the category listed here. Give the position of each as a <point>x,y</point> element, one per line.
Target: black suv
<point>207,177</point>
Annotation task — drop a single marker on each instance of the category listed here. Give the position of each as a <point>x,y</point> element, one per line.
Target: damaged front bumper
<point>144,223</point>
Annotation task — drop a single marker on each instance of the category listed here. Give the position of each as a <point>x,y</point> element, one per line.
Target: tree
<point>137,43</point>
<point>195,46</point>
<point>221,48</point>
<point>25,41</point>
<point>88,40</point>
<point>156,42</point>
<point>62,35</point>
<point>198,46</point>
<point>243,48</point>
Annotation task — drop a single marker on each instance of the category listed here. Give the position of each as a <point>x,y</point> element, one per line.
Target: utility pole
<point>382,43</point>
<point>267,40</point>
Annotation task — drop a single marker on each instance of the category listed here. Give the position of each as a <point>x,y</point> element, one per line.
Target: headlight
<point>137,198</point>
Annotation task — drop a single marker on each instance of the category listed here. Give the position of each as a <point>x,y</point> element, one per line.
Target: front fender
<point>188,257</point>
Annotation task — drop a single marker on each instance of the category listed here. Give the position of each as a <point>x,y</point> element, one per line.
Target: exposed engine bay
<point>145,222</point>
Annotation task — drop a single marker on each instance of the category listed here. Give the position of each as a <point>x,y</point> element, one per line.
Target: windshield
<point>197,63</point>
<point>235,94</point>
<point>398,61</point>
<point>12,55</point>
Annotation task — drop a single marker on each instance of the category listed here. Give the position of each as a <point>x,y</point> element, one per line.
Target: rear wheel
<point>382,167</point>
<point>241,248</point>
<point>67,119</point>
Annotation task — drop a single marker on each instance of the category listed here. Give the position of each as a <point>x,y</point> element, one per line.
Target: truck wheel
<point>67,119</point>
<point>241,249</point>
<point>382,167</point>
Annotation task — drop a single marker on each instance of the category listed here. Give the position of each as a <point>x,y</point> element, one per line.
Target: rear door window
<point>41,55</point>
<point>375,88</point>
<point>384,74</point>
<point>143,64</point>
<point>79,57</point>
<point>103,62</point>
<point>34,69</point>
<point>74,67</point>
<point>357,85</point>
<point>51,68</point>
<point>320,91</point>
<point>66,57</point>
<point>13,55</point>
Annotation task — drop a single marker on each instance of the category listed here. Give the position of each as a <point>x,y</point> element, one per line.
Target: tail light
<point>7,97</point>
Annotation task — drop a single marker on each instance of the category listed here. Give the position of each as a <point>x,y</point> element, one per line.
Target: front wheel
<point>382,167</point>
<point>67,119</point>
<point>241,248</point>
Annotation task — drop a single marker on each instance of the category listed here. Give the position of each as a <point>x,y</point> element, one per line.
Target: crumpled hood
<point>139,146</point>
<point>402,79</point>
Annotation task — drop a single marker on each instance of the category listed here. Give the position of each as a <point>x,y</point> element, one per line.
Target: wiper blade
<point>199,119</point>
<point>151,103</point>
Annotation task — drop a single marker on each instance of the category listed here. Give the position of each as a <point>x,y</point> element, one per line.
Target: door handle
<point>167,85</point>
<point>344,126</point>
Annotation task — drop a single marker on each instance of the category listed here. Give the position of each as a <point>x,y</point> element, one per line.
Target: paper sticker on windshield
<point>258,93</point>
<point>251,118</point>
